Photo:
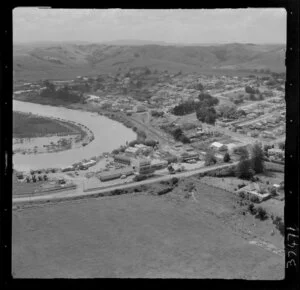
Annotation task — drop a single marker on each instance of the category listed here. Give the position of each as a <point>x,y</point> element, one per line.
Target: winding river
<point>108,134</point>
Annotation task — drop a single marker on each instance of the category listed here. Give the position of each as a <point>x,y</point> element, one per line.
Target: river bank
<point>70,135</point>
<point>108,134</point>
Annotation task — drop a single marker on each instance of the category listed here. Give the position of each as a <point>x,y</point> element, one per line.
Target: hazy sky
<point>255,25</point>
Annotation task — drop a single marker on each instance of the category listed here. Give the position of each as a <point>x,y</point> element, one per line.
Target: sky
<point>184,26</point>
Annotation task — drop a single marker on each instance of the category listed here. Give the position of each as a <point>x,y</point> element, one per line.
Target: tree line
<point>64,94</point>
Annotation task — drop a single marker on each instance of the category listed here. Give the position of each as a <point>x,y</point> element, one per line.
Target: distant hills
<point>67,60</point>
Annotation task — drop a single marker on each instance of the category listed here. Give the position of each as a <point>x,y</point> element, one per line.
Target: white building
<point>218,146</point>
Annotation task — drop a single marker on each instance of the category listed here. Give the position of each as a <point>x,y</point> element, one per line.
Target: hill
<point>68,60</point>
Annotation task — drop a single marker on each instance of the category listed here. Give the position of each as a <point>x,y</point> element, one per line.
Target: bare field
<point>143,235</point>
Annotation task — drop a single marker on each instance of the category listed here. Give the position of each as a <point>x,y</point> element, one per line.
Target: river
<point>108,134</point>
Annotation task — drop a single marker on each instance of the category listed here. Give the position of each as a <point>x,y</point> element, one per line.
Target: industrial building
<point>114,174</point>
<point>143,166</point>
<point>158,164</point>
<point>123,159</point>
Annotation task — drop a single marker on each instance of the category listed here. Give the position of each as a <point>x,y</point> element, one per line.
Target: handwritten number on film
<point>292,250</point>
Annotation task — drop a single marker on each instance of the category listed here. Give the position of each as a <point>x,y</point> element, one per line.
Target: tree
<point>141,135</point>
<point>252,97</point>
<point>206,113</point>
<point>244,169</point>
<point>184,139</point>
<point>249,90</point>
<point>261,214</point>
<point>226,157</point>
<point>199,87</point>
<point>151,143</point>
<point>281,145</point>
<point>185,108</point>
<point>115,151</point>
<point>49,86</point>
<point>243,152</point>
<point>261,97</point>
<point>212,101</point>
<point>177,133</point>
<point>227,111</point>
<point>257,158</point>
<point>133,143</point>
<point>210,158</point>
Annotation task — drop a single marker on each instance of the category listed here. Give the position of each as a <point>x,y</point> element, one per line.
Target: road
<point>80,194</point>
<point>255,120</point>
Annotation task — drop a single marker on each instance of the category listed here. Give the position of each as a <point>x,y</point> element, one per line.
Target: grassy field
<point>143,235</point>
<point>21,188</point>
<point>29,126</point>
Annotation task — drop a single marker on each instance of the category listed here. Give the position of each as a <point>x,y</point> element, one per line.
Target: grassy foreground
<point>142,235</point>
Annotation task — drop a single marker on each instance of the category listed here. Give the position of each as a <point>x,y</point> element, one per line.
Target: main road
<point>70,195</point>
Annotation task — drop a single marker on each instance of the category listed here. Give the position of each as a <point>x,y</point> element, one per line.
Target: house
<point>276,152</point>
<point>218,146</point>
<point>254,189</point>
<point>140,109</point>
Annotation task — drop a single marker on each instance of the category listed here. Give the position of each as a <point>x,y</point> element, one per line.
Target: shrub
<point>254,198</point>
<point>281,228</point>
<point>165,191</point>
<point>226,157</point>
<point>242,194</point>
<point>117,192</point>
<point>261,214</point>
<point>175,181</point>
<point>273,191</point>
<point>252,209</point>
<point>210,158</point>
<point>241,185</point>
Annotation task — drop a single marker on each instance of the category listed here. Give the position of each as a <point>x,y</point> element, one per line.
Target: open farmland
<point>143,235</point>
<point>29,126</point>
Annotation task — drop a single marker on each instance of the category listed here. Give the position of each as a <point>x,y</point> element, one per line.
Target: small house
<point>218,146</point>
<point>254,189</point>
